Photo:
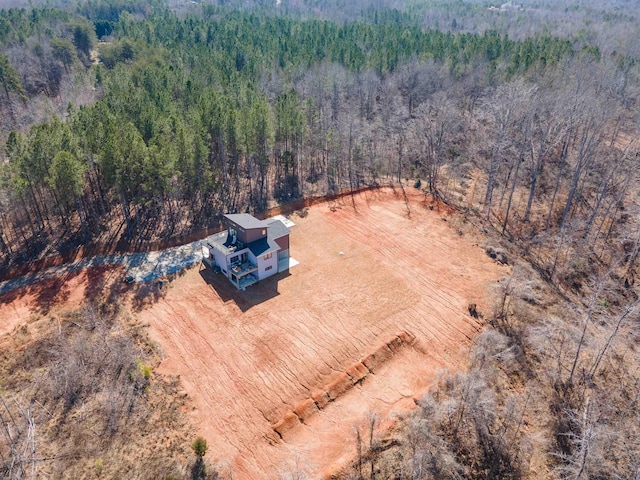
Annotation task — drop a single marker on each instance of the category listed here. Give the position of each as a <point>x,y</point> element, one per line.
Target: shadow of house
<point>245,300</point>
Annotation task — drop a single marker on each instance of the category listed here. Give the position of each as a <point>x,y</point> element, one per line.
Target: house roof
<point>245,220</point>
<point>263,246</point>
<point>276,229</point>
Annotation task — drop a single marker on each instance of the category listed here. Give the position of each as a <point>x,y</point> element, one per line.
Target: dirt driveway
<point>280,375</point>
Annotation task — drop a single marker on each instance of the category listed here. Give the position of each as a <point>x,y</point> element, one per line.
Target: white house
<point>249,250</point>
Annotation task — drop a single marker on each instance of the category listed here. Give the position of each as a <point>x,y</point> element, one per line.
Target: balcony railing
<point>218,240</point>
<point>242,269</point>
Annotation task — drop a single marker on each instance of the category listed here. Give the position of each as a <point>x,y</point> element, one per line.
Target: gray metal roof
<point>245,220</point>
<point>277,229</point>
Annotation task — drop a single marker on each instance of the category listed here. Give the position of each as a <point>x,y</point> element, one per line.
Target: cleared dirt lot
<point>258,364</point>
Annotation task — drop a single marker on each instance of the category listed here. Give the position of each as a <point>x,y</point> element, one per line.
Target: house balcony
<point>242,269</point>
<point>241,275</point>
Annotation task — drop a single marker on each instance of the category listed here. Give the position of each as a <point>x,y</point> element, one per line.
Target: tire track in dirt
<point>395,257</point>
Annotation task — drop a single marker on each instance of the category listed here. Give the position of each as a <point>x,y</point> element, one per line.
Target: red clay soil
<point>31,303</point>
<point>280,375</point>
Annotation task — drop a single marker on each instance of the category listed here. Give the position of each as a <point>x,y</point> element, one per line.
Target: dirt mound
<point>353,375</point>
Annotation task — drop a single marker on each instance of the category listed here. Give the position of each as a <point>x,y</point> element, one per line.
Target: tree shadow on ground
<point>104,283</point>
<point>100,283</point>
<point>252,296</point>
<point>49,288</point>
<point>45,294</point>
<point>146,294</point>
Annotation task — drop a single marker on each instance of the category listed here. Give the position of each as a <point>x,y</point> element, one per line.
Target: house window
<point>268,268</point>
<point>267,256</point>
<point>234,259</point>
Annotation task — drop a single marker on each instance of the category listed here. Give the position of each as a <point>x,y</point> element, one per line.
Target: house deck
<point>241,275</point>
<point>243,269</point>
<point>218,240</point>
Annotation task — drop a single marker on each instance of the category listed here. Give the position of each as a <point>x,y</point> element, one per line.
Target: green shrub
<point>199,447</point>
<point>145,370</point>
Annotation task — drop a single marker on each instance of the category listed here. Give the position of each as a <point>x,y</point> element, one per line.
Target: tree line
<point>221,110</point>
<point>211,113</point>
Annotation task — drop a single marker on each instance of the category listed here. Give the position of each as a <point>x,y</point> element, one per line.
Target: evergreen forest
<point>157,121</point>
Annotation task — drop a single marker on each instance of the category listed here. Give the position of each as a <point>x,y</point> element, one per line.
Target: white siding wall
<point>221,260</point>
<point>263,265</point>
<point>252,258</point>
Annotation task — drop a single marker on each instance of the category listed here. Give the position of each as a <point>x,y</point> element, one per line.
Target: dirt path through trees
<point>276,373</point>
